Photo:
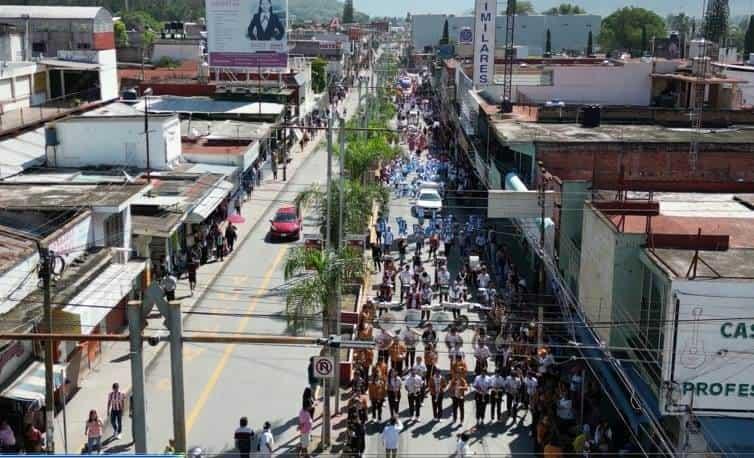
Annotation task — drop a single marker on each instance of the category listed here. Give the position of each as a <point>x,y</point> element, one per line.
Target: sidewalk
<point>115,364</point>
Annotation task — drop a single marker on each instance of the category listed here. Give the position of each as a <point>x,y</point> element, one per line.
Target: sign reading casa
<point>485,13</point>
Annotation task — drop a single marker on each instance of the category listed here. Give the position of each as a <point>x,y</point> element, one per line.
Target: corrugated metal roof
<point>49,12</point>
<point>22,152</point>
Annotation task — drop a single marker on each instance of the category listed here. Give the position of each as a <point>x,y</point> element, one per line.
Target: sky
<point>399,8</point>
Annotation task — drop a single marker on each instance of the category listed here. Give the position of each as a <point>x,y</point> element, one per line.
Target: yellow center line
<point>215,377</point>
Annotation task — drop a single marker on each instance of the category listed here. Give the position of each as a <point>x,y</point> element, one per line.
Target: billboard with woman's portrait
<point>247,33</point>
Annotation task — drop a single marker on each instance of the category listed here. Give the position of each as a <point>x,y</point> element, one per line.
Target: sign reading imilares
<point>485,13</point>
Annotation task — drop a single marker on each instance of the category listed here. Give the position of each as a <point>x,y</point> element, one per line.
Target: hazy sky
<point>603,7</point>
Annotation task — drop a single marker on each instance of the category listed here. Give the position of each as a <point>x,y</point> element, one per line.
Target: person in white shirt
<point>512,387</point>
<point>497,389</point>
<point>545,361</point>
<point>394,384</point>
<point>391,436</point>
<point>415,389</point>
<point>481,387</point>
<point>387,241</point>
<point>443,282</point>
<point>405,281</point>
<point>482,354</point>
<point>410,339</point>
<point>531,383</point>
<point>483,279</point>
<point>462,446</point>
<point>266,441</point>
<point>454,342</point>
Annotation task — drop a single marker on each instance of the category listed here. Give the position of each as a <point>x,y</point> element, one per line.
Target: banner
<point>485,13</point>
<point>247,33</point>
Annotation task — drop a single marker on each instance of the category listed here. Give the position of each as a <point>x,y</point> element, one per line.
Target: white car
<point>429,202</point>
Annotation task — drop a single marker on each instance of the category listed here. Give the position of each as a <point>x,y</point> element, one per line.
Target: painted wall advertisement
<point>248,33</point>
<point>709,342</point>
<point>485,12</point>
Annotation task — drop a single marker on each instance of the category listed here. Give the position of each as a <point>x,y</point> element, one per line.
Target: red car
<point>286,225</point>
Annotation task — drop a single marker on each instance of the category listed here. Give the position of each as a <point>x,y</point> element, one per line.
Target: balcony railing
<point>48,111</point>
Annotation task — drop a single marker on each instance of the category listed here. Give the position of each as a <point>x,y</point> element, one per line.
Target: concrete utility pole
<point>341,244</point>
<point>176,375</point>
<point>327,414</point>
<point>541,281</point>
<point>45,271</point>
<point>138,401</point>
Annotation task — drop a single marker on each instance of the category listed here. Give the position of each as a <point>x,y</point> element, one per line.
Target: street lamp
<point>147,92</point>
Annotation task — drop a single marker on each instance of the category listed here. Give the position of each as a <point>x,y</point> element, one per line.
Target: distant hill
<point>171,10</point>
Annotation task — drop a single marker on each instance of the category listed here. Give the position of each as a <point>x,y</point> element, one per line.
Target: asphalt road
<point>225,382</point>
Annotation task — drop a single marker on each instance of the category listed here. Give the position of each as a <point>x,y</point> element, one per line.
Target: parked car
<point>286,225</point>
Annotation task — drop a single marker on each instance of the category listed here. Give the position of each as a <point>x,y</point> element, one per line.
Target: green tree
<point>679,23</point>
<point>316,277</point>
<point>548,42</point>
<point>523,7</point>
<point>319,74</point>
<point>140,21</point>
<point>715,27</point>
<point>348,12</point>
<point>643,39</point>
<point>589,45</point>
<point>445,35</point>
<point>564,9</point>
<point>622,30</point>
<point>749,38</point>
<point>121,37</point>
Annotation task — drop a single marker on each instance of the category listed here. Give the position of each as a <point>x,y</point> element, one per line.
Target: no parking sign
<point>324,367</point>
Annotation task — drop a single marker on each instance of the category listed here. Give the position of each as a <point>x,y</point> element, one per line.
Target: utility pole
<point>541,280</point>
<point>341,244</point>
<point>138,402</point>
<point>45,271</point>
<point>327,414</point>
<point>176,375</point>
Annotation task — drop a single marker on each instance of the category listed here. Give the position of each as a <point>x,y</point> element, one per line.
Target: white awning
<point>30,385</point>
<point>210,202</point>
<point>69,64</point>
<point>100,296</point>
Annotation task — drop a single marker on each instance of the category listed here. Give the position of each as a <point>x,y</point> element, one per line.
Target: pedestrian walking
<point>191,267</point>
<point>377,256</point>
<point>93,432</point>
<point>377,392</point>
<point>387,240</point>
<point>274,167</point>
<point>243,437</point>
<point>394,384</point>
<point>458,388</point>
<point>266,441</point>
<point>115,401</point>
<point>482,396</point>
<point>312,379</point>
<point>497,390</point>
<point>391,436</point>
<point>231,234</point>
<point>437,387</point>
<point>415,389</point>
<point>305,428</point>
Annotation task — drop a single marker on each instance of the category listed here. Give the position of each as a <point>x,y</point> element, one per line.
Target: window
<point>83,46</point>
<point>39,47</point>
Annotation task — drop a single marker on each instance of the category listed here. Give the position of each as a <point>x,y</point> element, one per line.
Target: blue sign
<point>466,36</point>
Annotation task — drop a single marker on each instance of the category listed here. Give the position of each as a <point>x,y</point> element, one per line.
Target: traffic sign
<point>324,367</point>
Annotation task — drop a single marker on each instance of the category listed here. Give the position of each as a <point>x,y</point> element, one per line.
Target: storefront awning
<point>101,295</point>
<point>210,202</point>
<point>30,385</point>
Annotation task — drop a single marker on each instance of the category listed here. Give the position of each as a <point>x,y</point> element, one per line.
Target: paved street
<point>225,382</point>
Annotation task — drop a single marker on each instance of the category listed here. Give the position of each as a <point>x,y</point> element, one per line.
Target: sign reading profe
<point>485,13</point>
<point>247,33</point>
<point>710,338</point>
<point>324,367</point>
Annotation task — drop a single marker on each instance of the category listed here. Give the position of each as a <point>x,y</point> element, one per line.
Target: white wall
<point>118,141</point>
<point>596,272</point>
<point>747,88</point>
<point>108,75</point>
<point>176,51</point>
<point>11,47</point>
<point>629,84</point>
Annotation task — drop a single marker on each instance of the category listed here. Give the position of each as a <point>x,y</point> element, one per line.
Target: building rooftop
<point>14,248</point>
<point>206,105</point>
<point>21,152</point>
<point>226,129</point>
<point>515,131</point>
<point>50,12</point>
<point>57,196</point>
<point>730,264</point>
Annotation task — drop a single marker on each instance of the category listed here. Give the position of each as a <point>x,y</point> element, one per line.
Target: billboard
<point>247,33</point>
<point>709,349</point>
<point>485,13</point>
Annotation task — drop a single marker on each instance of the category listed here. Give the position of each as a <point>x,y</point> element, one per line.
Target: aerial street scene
<point>377,229</point>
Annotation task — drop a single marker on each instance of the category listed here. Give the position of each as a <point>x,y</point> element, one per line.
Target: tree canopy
<point>622,30</point>
<point>564,9</point>
<point>348,12</point>
<point>715,26</point>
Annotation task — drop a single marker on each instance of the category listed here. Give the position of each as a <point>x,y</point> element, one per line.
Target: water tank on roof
<point>591,116</point>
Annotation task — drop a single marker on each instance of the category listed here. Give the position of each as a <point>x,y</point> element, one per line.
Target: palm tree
<point>317,276</point>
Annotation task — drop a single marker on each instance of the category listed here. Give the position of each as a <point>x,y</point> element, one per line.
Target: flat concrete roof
<point>225,129</point>
<point>61,196</point>
<point>526,132</point>
<point>730,264</point>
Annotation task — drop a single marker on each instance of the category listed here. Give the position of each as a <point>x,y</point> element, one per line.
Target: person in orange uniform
<point>377,393</point>
<point>398,352</point>
<point>430,359</point>
<point>458,388</point>
<point>459,367</point>
<point>437,386</point>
